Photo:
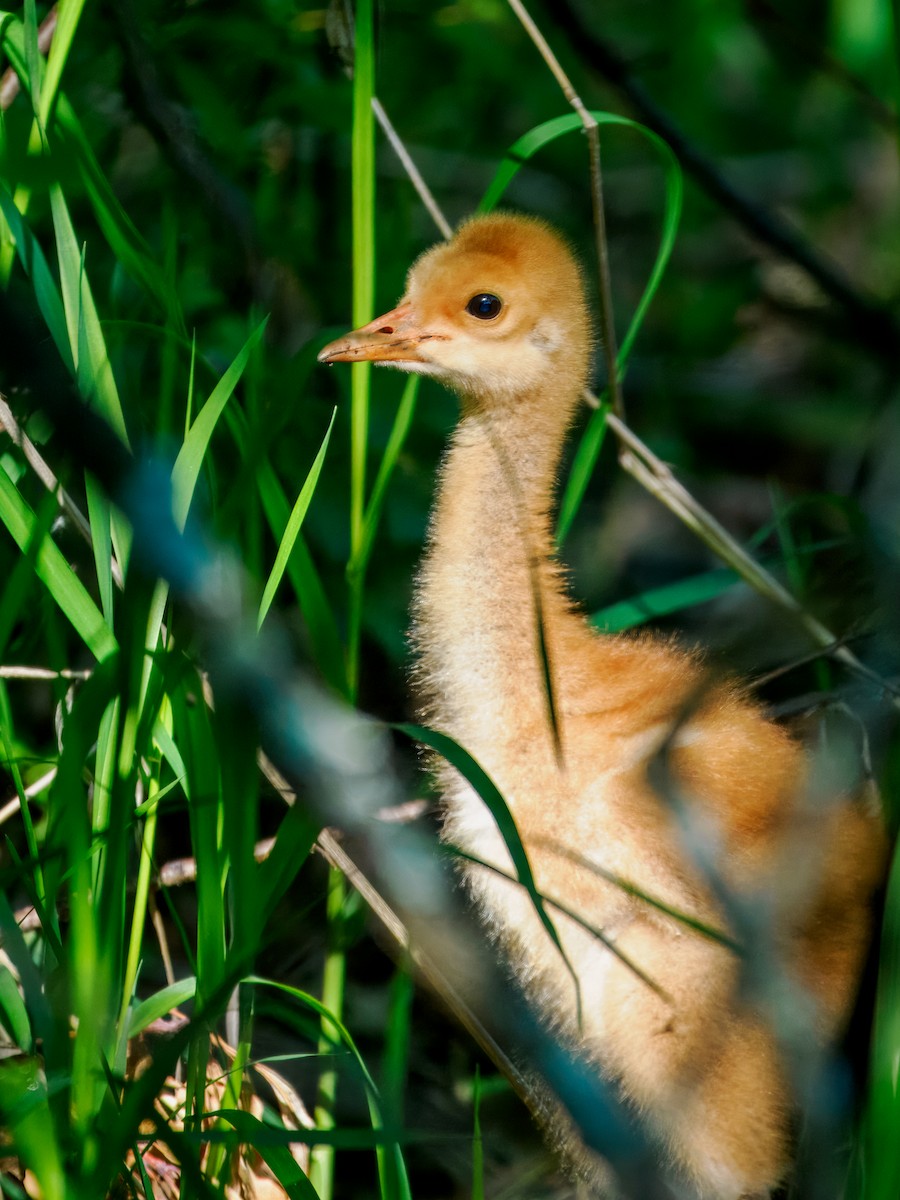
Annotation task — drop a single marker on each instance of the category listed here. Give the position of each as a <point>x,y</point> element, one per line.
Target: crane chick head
<point>497,313</point>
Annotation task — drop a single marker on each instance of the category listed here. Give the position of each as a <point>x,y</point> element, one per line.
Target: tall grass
<point>143,750</point>
<point>139,745</point>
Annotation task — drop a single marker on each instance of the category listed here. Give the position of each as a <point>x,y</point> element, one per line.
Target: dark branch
<point>870,323</point>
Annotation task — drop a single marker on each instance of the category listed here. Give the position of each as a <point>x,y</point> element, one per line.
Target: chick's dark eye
<point>485,306</point>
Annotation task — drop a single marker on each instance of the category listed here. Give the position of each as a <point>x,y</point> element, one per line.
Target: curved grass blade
<point>55,573</point>
<point>160,1003</point>
<point>517,155</point>
<point>479,779</point>
<point>529,144</point>
<point>573,916</point>
<point>392,1168</point>
<point>295,522</point>
<point>583,463</point>
<point>278,1158</point>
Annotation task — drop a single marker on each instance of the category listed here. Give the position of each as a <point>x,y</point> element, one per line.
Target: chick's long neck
<point>487,569</point>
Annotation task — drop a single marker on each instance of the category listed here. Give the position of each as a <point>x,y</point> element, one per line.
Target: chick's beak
<point>394,337</point>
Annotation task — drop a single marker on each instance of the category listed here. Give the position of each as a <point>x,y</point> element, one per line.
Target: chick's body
<point>497,638</point>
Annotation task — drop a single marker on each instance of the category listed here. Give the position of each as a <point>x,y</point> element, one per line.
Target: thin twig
<point>803,660</point>
<point>406,949</point>
<point>654,475</point>
<point>179,871</point>
<point>339,29</point>
<point>592,129</point>
<point>415,175</point>
<point>14,805</point>
<point>159,927</point>
<point>41,673</point>
<point>10,84</point>
<point>39,465</point>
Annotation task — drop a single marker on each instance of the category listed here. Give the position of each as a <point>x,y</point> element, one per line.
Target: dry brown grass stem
<point>592,130</point>
<point>657,478</point>
<point>415,175</point>
<point>11,807</point>
<point>405,946</point>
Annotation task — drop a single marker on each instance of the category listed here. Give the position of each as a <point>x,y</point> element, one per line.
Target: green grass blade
<point>363,205</point>
<point>190,457</point>
<point>55,573</point>
<point>160,1003</point>
<point>170,752</point>
<point>13,1013</point>
<point>390,1156</point>
<point>28,1117</point>
<point>530,143</point>
<point>665,600</point>
<point>295,522</point>
<point>87,344</point>
<point>99,516</point>
<point>139,912</point>
<point>203,779</point>
<point>20,955</point>
<point>517,155</point>
<point>583,463</point>
<point>280,1161</point>
<point>878,1158</point>
<point>696,589</point>
<point>33,56</point>
<point>396,441</point>
<point>35,883</point>
<point>325,639</point>
<point>397,1041</point>
<point>125,241</point>
<point>45,290</point>
<point>334,973</point>
<point>93,373</point>
<point>324,636</point>
<point>68,16</point>
<point>477,1140</point>
<point>474,774</point>
<point>293,844</point>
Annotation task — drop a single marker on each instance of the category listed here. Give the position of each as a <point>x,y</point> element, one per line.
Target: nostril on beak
<point>386,329</point>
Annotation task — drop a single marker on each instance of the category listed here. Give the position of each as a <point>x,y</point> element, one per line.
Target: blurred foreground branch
<point>341,763</point>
